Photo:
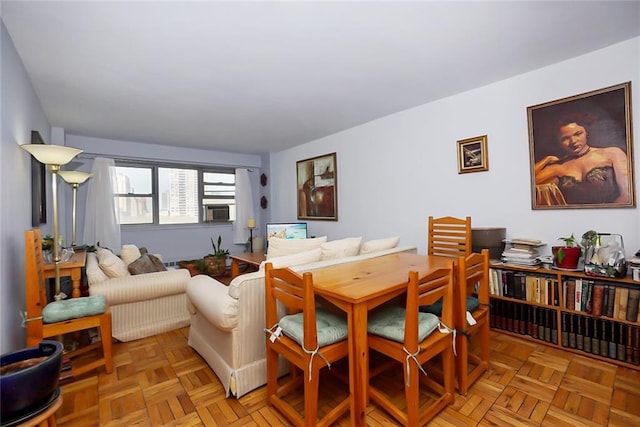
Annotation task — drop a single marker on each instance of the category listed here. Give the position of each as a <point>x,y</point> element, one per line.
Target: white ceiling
<point>254,77</point>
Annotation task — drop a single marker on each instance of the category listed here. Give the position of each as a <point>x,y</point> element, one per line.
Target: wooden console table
<point>250,258</point>
<point>72,268</point>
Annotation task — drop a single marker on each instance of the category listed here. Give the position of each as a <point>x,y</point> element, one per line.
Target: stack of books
<point>522,252</point>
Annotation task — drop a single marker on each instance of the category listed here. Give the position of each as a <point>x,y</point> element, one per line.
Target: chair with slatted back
<point>308,337</point>
<point>449,236</point>
<point>472,296</point>
<point>51,319</point>
<point>414,339</point>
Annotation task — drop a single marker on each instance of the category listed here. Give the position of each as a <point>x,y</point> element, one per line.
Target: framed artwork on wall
<point>317,185</point>
<point>581,151</point>
<point>472,155</point>
<point>38,182</point>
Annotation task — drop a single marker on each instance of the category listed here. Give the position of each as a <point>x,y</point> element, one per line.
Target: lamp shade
<point>74,177</point>
<point>51,154</point>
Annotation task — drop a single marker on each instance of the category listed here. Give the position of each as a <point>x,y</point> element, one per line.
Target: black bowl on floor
<point>28,386</point>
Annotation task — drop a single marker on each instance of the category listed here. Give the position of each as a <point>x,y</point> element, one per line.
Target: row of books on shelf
<point>602,299</point>
<point>524,286</point>
<point>603,337</point>
<point>537,322</point>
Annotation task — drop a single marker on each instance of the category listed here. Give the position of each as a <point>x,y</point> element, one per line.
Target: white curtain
<point>101,222</point>
<point>244,206</point>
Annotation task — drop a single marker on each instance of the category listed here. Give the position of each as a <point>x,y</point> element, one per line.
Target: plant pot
<point>215,266</point>
<point>566,257</point>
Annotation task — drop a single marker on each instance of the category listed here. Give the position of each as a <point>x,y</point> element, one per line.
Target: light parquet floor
<point>160,381</point>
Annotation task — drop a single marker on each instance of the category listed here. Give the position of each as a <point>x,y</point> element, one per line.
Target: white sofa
<point>227,322</point>
<point>141,305</point>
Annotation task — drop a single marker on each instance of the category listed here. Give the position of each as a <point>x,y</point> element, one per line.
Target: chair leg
<point>272,374</point>
<point>412,393</point>
<point>461,362</point>
<point>311,395</point>
<point>105,337</point>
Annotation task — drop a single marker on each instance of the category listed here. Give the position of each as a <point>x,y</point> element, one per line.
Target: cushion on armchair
<point>111,264</point>
<point>341,248</point>
<point>147,263</point>
<point>129,253</point>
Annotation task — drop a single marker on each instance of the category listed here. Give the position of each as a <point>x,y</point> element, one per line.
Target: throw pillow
<point>129,253</point>
<point>146,263</point>
<point>301,258</point>
<point>341,248</point>
<point>281,247</point>
<point>379,245</point>
<point>111,264</point>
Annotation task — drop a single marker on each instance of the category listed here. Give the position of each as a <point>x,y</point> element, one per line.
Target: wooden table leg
<point>358,364</point>
<point>235,268</point>
<point>76,280</point>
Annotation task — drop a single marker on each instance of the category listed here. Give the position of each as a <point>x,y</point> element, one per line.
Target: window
<point>174,194</point>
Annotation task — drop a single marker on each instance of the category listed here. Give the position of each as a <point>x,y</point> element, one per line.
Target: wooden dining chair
<point>449,236</point>
<point>413,339</point>
<point>472,299</point>
<point>45,319</point>
<point>308,337</point>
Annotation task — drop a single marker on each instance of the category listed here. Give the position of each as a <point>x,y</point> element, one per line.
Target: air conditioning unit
<point>215,213</point>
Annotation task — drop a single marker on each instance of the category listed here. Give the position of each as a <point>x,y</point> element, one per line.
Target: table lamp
<point>251,224</point>
<point>53,156</point>
<point>74,178</point>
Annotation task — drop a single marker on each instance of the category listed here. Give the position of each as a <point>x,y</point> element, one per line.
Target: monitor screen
<point>287,230</point>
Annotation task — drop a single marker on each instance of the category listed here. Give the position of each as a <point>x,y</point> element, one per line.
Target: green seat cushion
<point>331,328</point>
<point>73,308</point>
<point>436,307</point>
<point>389,323</point>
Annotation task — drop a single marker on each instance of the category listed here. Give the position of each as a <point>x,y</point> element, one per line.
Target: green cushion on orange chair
<point>73,308</point>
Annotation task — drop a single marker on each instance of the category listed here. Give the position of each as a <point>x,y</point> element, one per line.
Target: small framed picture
<point>472,155</point>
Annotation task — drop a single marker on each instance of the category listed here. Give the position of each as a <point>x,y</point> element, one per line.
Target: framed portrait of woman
<point>581,151</point>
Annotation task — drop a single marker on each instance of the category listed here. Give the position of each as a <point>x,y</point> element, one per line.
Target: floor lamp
<point>74,178</point>
<point>53,156</point>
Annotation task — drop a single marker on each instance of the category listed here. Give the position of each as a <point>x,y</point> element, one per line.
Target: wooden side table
<point>250,258</point>
<point>72,268</point>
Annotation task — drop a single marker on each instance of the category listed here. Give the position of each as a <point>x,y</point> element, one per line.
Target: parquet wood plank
<point>161,381</point>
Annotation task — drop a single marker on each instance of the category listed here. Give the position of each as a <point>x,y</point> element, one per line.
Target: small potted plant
<point>567,256</point>
<point>216,262</point>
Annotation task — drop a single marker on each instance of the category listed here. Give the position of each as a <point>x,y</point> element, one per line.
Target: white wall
<point>396,171</point>
<point>174,243</point>
<point>21,113</point>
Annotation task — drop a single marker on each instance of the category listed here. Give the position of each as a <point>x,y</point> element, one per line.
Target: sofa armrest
<point>141,287</point>
<point>211,298</point>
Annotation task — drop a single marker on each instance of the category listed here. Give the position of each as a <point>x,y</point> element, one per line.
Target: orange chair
<point>36,301</point>
<point>413,339</point>
<point>299,338</point>
<point>449,236</point>
<point>472,295</point>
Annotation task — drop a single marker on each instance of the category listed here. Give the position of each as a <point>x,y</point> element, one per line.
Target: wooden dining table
<point>356,288</point>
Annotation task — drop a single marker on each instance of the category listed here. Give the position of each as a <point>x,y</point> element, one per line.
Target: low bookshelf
<point>593,316</point>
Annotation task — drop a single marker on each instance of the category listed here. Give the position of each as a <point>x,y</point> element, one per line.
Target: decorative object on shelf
<point>263,202</point>
<point>473,155</point>
<point>74,178</point>
<point>571,139</point>
<point>567,256</point>
<point>263,180</point>
<point>607,260</point>
<point>491,238</point>
<point>53,156</point>
<point>318,188</point>
<point>216,262</point>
